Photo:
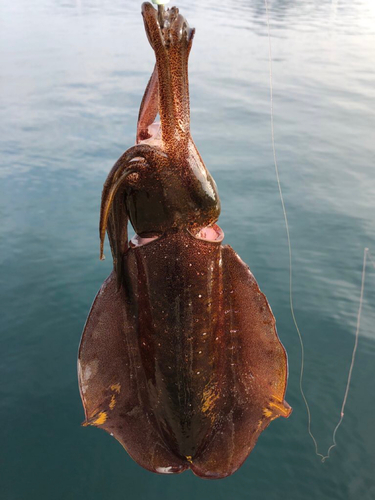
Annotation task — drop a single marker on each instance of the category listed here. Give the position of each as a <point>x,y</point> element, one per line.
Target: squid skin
<point>179,359</point>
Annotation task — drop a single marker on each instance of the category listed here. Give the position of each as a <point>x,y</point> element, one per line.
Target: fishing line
<point>366,255</point>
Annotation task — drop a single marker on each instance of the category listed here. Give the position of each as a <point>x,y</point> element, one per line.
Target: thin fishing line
<point>366,252</point>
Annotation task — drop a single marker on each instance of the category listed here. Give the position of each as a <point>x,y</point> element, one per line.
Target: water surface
<point>72,77</point>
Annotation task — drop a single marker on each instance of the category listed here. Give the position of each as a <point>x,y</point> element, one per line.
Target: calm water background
<point>72,76</point>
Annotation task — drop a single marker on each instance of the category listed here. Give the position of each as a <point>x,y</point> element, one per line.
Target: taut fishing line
<point>366,255</point>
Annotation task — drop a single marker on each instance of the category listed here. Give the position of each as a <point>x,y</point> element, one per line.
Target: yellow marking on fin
<point>116,388</point>
<point>102,417</point>
<point>267,412</point>
<point>281,408</point>
<point>189,458</point>
<point>209,397</point>
<point>276,409</point>
<point>259,424</point>
<point>112,403</point>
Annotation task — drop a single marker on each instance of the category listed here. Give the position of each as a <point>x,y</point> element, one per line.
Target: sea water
<point>72,78</point>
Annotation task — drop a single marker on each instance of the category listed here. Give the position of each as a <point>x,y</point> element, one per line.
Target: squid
<point>179,359</point>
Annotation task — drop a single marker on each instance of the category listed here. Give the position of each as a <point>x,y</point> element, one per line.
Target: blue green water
<point>72,76</point>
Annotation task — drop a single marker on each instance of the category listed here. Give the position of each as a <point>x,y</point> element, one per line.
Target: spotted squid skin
<point>179,359</point>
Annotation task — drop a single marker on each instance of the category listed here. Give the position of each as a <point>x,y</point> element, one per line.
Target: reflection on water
<point>73,73</point>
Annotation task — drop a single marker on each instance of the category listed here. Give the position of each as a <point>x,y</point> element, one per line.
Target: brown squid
<point>179,359</point>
